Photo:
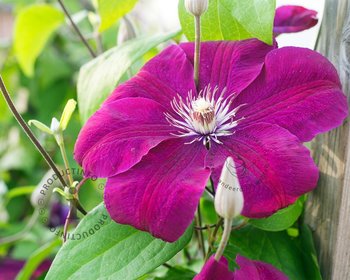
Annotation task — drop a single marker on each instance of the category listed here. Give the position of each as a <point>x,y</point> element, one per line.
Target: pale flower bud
<point>56,130</point>
<point>229,197</point>
<point>55,125</point>
<point>196,7</point>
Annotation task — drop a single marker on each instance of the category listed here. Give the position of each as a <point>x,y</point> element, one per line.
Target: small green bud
<point>67,114</point>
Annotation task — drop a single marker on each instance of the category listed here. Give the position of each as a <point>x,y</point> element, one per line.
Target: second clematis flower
<point>158,138</point>
<point>248,269</point>
<point>290,19</point>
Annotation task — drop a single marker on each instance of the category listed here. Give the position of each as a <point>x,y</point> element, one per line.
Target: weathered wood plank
<point>328,208</point>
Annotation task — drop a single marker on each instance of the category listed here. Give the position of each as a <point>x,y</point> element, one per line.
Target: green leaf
<point>232,20</point>
<point>98,78</point>
<point>33,28</point>
<point>176,273</point>
<point>307,250</point>
<point>36,258</point>
<point>18,191</point>
<point>277,248</point>
<point>208,211</point>
<point>111,250</point>
<point>40,126</point>
<point>281,220</point>
<point>112,10</point>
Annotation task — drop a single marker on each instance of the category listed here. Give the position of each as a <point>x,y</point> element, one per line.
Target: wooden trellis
<point>328,208</point>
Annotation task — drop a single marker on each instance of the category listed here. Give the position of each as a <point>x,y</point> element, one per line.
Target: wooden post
<point>328,207</point>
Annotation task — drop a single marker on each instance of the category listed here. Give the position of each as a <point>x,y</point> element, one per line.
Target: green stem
<point>224,239</point>
<point>29,133</point>
<point>212,238</point>
<point>197,49</point>
<point>65,160</point>
<point>66,223</point>
<point>75,27</point>
<point>201,232</point>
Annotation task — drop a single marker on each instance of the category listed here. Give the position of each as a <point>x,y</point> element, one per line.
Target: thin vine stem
<point>29,133</point>
<point>65,160</point>
<point>200,235</point>
<point>201,232</point>
<point>197,49</point>
<point>212,238</point>
<point>76,29</point>
<point>34,140</point>
<point>66,223</point>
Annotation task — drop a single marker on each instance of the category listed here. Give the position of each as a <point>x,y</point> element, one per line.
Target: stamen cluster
<point>205,117</point>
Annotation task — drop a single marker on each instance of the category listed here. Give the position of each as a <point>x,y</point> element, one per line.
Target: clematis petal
<point>164,77</point>
<point>273,167</point>
<point>161,193</point>
<point>249,269</point>
<point>118,135</point>
<point>289,19</point>
<point>228,64</point>
<point>213,270</point>
<point>299,90</point>
<point>255,270</point>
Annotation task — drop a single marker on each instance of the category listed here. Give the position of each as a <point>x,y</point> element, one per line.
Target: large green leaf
<point>99,77</point>
<point>112,10</point>
<point>111,251</point>
<point>281,220</point>
<point>294,256</point>
<point>232,20</point>
<point>33,28</point>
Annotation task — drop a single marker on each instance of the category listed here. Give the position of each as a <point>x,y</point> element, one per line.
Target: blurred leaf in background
<point>112,10</point>
<point>35,23</point>
<point>99,77</point>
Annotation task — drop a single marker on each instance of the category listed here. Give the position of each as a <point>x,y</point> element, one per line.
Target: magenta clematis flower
<point>290,19</point>
<point>252,270</point>
<point>254,103</point>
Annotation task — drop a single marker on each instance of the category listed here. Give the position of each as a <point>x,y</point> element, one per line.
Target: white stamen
<point>206,117</point>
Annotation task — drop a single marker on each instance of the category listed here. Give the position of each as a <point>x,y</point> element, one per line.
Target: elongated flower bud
<point>196,7</point>
<point>229,197</point>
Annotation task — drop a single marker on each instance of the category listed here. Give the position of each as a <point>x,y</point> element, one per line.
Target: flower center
<point>205,118</point>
